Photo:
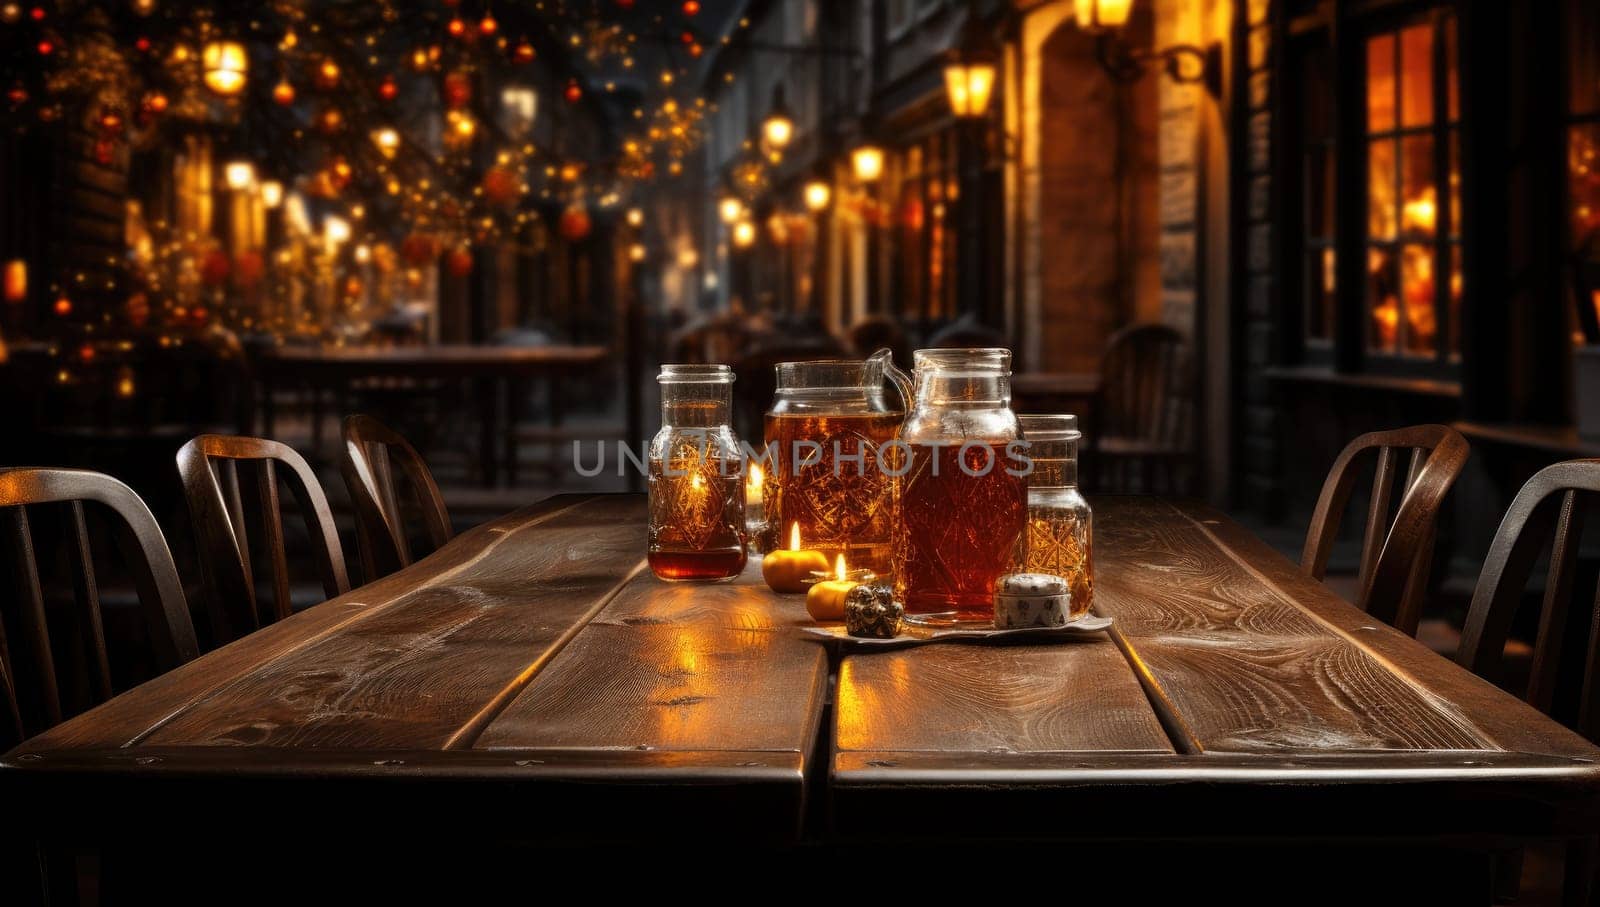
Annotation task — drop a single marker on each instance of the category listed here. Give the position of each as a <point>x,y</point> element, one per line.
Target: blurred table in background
<point>495,371</point>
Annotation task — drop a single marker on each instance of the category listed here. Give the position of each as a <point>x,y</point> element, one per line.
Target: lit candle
<point>825,601</point>
<point>753,504</point>
<point>788,570</point>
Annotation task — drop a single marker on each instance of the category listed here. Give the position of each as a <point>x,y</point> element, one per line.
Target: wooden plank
<point>996,700</point>
<point>136,713</point>
<point>424,666</point>
<point>1246,668</point>
<point>688,687</point>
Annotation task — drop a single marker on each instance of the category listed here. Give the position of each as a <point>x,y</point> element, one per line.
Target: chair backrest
<point>1142,386</point>
<point>1395,558</point>
<point>371,451</point>
<point>1510,561</point>
<point>31,697</point>
<point>212,468</point>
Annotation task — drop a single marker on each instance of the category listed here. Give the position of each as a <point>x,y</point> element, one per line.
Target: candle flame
<point>697,481</point>
<point>838,566</point>
<point>794,536</point>
<point>756,476</point>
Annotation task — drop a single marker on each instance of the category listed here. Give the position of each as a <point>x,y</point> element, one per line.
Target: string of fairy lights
<point>407,132</point>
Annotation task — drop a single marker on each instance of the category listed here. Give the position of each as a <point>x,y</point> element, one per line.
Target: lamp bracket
<point>1185,64</point>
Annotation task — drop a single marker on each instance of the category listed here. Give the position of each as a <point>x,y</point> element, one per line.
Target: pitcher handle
<point>902,381</point>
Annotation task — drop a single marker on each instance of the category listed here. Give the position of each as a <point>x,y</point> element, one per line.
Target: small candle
<point>825,601</point>
<point>752,492</point>
<point>787,570</point>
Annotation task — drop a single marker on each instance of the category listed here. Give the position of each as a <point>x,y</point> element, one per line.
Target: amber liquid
<point>696,520</point>
<point>1061,546</point>
<point>848,509</point>
<point>957,532</point>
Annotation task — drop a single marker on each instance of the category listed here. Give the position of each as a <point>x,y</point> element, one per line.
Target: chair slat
<point>272,528</point>
<point>1557,596</point>
<point>86,595</point>
<point>31,617</point>
<point>1377,514</point>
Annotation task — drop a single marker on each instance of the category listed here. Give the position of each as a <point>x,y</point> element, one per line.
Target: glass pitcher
<point>696,486</point>
<point>827,426</point>
<point>962,493</point>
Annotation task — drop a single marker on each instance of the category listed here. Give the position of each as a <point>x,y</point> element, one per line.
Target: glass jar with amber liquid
<point>696,484</point>
<point>962,493</point>
<point>1059,536</point>
<point>825,435</point>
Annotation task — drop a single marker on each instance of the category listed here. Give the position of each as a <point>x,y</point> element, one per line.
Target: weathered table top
<point>535,661</point>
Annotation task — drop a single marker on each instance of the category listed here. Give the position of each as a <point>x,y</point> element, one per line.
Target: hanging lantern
<point>388,141</point>
<point>487,26</point>
<point>575,223</point>
<point>215,268</point>
<point>249,267</point>
<point>778,128</point>
<point>457,28</point>
<point>283,93</point>
<point>501,186</point>
<point>418,249</point>
<point>969,72</point>
<point>457,89</point>
<point>16,280</point>
<point>328,75</point>
<point>459,261</point>
<point>817,194</point>
<point>225,64</point>
<point>867,162</point>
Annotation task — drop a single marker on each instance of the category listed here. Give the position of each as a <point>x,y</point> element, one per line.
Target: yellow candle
<point>825,601</point>
<point>787,570</point>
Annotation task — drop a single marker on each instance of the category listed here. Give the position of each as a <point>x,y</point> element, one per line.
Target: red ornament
<point>501,186</point>
<point>575,223</point>
<point>199,314</point>
<point>37,13</point>
<point>459,261</point>
<point>686,37</point>
<point>215,268</point>
<point>523,53</point>
<point>457,89</point>
<point>142,44</point>
<point>573,92</point>
<point>330,120</point>
<point>283,93</point>
<point>328,75</point>
<point>63,306</point>
<point>46,47</point>
<point>695,50</point>
<point>690,7</point>
<point>248,268</point>
<point>18,95</point>
<point>387,89</point>
<point>457,28</point>
<point>155,103</point>
<point>418,249</point>
<point>86,352</point>
<point>487,25</point>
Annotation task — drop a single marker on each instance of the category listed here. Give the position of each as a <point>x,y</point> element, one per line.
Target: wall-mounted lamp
<point>817,193</point>
<point>1186,64</point>
<point>970,69</point>
<point>730,209</point>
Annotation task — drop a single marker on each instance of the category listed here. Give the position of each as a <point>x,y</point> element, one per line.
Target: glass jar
<point>1059,537</point>
<point>828,423</point>
<point>696,487</point>
<point>962,495</point>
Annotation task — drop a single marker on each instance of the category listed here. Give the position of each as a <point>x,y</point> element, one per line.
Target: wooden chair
<point>1506,570</point>
<point>210,466</point>
<point>1142,436</point>
<point>371,450</point>
<point>1395,558</point>
<point>31,698</point>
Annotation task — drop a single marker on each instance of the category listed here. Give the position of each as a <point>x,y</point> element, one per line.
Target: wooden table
<point>534,668</point>
<point>495,370</point>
